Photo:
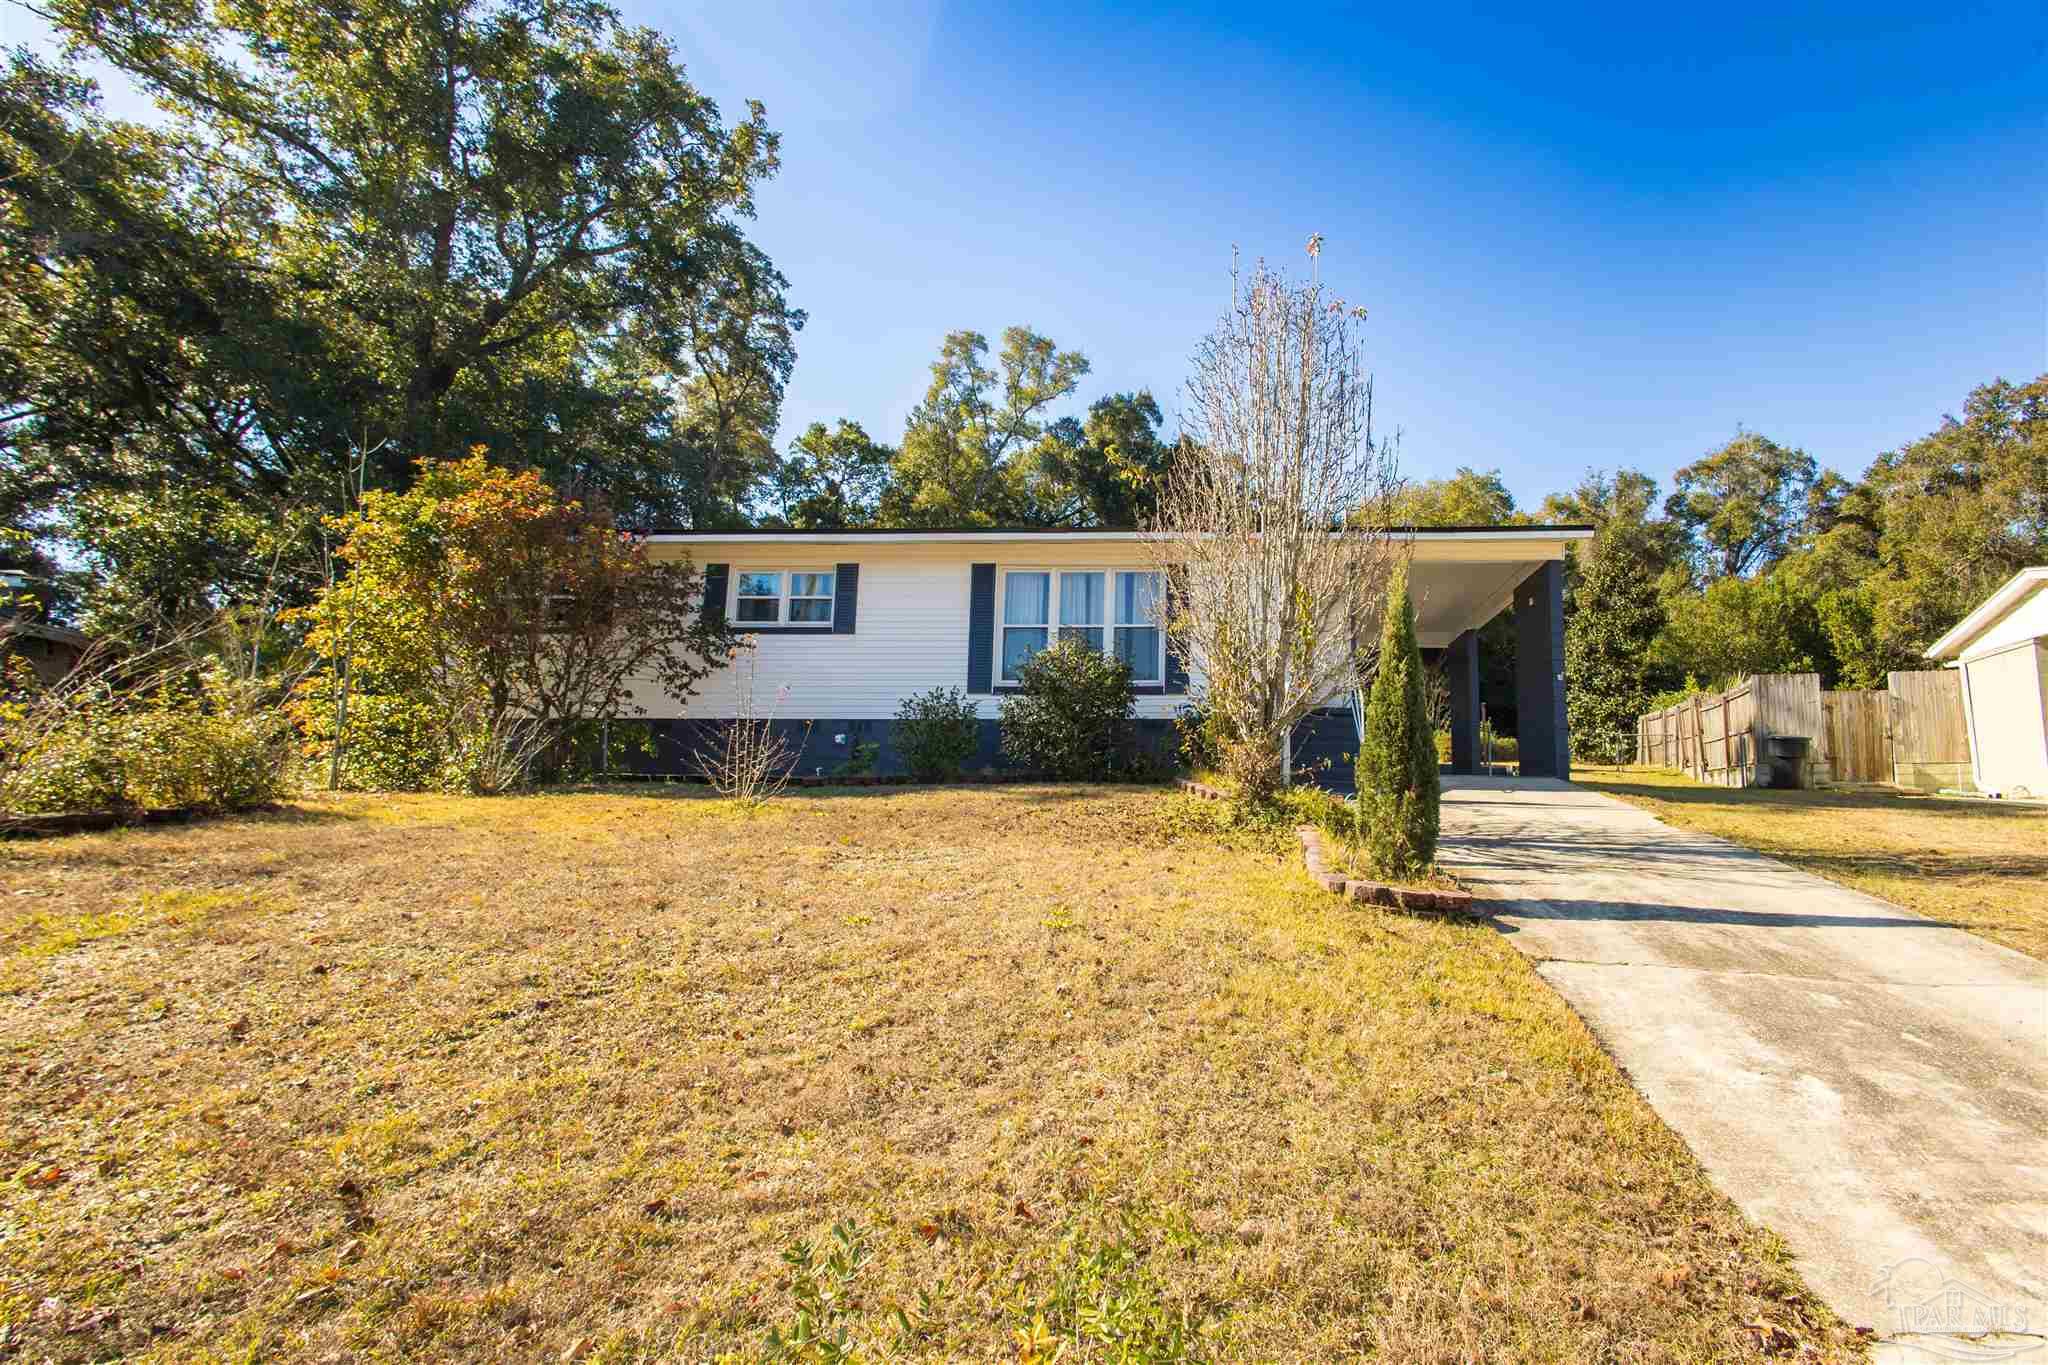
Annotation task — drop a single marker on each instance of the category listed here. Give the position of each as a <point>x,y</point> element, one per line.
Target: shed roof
<point>1995,608</point>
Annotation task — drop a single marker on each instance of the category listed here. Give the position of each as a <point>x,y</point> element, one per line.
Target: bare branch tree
<point>749,761</point>
<point>1273,528</point>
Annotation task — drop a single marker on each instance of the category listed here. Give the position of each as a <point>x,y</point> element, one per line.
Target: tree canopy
<point>1745,505</point>
<point>1469,497</point>
<point>363,236</point>
<point>397,227</point>
<point>832,478</point>
<point>965,452</point>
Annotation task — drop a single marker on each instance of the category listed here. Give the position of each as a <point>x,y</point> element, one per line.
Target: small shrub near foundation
<point>936,733</point>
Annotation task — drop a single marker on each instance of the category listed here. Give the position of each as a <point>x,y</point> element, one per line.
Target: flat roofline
<point>970,535</point>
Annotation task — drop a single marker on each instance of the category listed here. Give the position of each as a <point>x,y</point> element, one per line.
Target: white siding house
<point>851,623</point>
<point>2001,650</point>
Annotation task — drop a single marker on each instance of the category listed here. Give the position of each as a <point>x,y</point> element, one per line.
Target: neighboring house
<point>52,650</point>
<point>853,622</point>
<point>2001,650</point>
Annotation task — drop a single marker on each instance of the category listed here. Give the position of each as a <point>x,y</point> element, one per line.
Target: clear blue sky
<point>1591,237</point>
<point>1585,237</point>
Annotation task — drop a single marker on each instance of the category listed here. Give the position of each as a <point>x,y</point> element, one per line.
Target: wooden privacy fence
<point>1720,737</point>
<point>1855,743</point>
<point>1909,733</point>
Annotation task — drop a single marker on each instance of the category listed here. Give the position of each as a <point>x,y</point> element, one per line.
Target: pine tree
<point>1612,618</point>
<point>1398,789</point>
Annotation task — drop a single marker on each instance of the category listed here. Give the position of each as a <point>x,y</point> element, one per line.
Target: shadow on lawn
<point>1632,912</point>
<point>1890,803</point>
<point>154,821</point>
<point>1716,854</point>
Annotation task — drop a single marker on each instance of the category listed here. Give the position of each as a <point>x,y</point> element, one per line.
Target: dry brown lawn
<point>1982,865</point>
<point>566,1077</point>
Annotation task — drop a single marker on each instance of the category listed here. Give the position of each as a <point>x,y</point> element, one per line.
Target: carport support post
<point>1461,667</point>
<point>1544,742</point>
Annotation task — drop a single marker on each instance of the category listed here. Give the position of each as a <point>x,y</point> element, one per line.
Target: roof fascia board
<point>1989,612</point>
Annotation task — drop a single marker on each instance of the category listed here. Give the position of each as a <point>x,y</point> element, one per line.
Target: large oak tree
<point>406,226</point>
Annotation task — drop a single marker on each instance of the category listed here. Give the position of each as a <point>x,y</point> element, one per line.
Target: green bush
<point>937,732</point>
<point>1200,749</point>
<point>860,759</point>
<point>1071,715</point>
<point>201,740</point>
<point>1398,787</point>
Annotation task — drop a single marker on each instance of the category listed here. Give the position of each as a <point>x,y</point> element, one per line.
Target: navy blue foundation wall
<point>1326,749</point>
<point>827,746</point>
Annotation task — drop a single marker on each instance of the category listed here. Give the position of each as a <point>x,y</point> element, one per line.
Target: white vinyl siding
<point>911,636</point>
<point>2005,700</point>
<point>912,615</point>
<point>2026,621</point>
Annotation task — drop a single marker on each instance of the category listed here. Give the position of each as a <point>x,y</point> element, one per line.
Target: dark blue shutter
<point>845,597</point>
<point>981,628</point>
<point>1176,667</point>
<point>714,593</point>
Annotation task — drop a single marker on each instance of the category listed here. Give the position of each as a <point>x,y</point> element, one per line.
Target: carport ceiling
<point>1453,598</point>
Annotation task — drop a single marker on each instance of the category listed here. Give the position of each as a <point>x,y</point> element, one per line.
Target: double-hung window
<point>1108,609</point>
<point>1027,618</point>
<point>1137,625</point>
<point>775,597</point>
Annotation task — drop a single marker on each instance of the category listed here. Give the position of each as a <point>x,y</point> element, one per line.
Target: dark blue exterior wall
<point>1542,736</point>
<point>827,745</point>
<point>1326,749</point>
<point>1461,668</point>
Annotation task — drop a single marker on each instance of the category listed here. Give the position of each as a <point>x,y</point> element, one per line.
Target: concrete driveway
<point>1871,1085</point>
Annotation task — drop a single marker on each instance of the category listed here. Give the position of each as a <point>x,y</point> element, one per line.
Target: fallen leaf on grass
<point>1771,1339</point>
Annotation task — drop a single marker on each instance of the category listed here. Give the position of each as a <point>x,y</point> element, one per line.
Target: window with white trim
<point>1108,608</point>
<point>1136,603</point>
<point>782,597</point>
<point>1027,615</point>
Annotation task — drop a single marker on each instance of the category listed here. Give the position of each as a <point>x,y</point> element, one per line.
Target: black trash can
<point>1787,754</point>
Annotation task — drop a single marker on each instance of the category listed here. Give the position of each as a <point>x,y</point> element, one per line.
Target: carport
<point>1461,579</point>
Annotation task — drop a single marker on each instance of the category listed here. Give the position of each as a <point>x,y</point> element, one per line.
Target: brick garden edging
<point>1417,899</point>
